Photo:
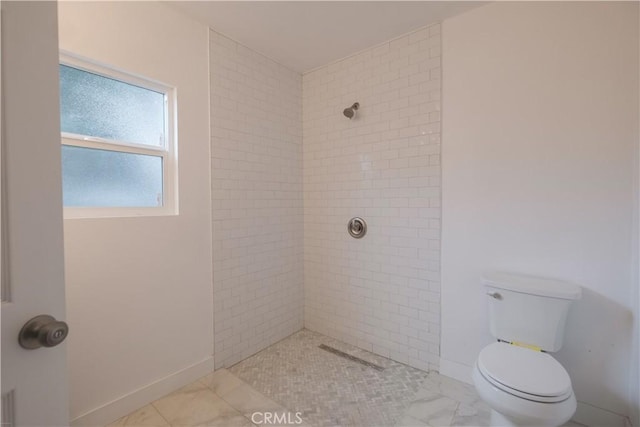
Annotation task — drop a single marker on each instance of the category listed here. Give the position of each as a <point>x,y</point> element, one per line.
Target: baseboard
<point>128,403</point>
<point>593,416</point>
<point>455,370</point>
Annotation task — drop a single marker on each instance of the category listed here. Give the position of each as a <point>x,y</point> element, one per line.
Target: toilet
<point>516,376</point>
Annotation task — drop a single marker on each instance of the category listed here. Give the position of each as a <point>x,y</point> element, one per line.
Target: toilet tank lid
<point>532,285</point>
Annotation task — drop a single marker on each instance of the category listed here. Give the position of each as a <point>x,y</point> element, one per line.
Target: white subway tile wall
<point>381,293</point>
<point>256,179</point>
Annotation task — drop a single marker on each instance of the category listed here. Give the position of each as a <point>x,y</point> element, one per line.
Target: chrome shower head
<point>350,112</point>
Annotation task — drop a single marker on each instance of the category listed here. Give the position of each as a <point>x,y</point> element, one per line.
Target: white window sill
<point>89,213</point>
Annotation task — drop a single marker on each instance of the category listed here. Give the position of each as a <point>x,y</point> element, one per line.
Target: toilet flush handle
<point>495,295</point>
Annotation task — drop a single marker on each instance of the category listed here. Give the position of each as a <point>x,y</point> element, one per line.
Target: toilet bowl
<point>523,387</point>
<point>516,376</point>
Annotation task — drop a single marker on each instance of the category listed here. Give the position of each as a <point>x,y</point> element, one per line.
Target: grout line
<point>455,412</point>
<point>159,413</point>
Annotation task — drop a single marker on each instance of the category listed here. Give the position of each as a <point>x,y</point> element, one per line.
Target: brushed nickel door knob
<point>42,331</point>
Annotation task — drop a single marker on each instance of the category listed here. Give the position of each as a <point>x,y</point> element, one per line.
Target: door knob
<point>42,331</point>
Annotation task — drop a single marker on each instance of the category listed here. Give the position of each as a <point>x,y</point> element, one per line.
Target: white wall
<point>382,292</point>
<point>139,291</point>
<point>540,119</point>
<point>256,167</point>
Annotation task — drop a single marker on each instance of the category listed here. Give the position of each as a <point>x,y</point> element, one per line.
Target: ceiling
<point>304,35</point>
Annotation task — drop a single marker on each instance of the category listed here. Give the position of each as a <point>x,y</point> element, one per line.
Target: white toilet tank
<point>529,310</point>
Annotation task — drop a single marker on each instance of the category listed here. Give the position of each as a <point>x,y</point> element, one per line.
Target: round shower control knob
<point>357,227</point>
<point>42,331</point>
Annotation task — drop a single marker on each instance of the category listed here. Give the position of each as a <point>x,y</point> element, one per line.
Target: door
<point>34,382</point>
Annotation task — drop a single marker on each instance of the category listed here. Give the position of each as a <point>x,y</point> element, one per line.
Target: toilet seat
<point>525,373</point>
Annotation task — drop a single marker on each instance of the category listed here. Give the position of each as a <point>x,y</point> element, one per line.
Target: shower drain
<point>350,357</point>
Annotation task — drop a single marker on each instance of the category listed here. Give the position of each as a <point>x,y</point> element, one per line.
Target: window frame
<point>168,152</point>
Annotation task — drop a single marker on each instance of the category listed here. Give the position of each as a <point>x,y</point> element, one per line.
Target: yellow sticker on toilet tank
<point>529,346</point>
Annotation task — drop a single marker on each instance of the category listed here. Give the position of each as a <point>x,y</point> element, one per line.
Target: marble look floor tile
<point>472,411</point>
<point>451,388</point>
<point>223,421</point>
<point>434,411</point>
<point>479,415</point>
<point>281,418</point>
<point>196,405</point>
<point>222,381</point>
<point>246,400</point>
<point>428,390</point>
<point>408,421</point>
<point>147,416</point>
<point>471,415</point>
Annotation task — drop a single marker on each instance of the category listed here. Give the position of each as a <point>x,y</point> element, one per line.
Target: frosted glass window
<point>119,154</point>
<point>92,178</point>
<point>98,106</point>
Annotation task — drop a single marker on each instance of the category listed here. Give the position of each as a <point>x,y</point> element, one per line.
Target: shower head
<point>350,112</point>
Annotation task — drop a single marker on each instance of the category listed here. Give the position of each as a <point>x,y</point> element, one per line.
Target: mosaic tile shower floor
<point>330,390</point>
<point>295,375</point>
